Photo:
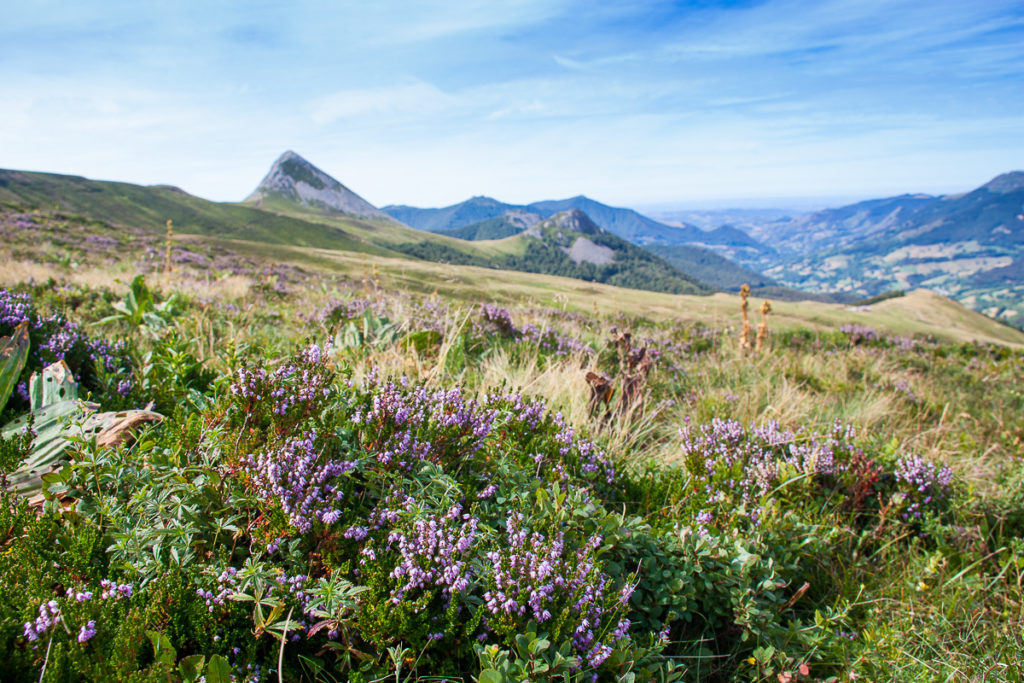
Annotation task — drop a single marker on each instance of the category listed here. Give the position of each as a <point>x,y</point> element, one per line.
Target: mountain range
<point>298,204</point>
<point>626,223</point>
<point>969,246</point>
<point>987,214</point>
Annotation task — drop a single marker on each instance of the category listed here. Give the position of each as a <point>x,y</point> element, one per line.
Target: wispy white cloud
<point>430,102</point>
<point>527,108</point>
<point>414,98</point>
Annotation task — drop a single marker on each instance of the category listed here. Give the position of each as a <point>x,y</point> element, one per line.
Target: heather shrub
<point>303,513</point>
<point>102,368</point>
<point>409,491</point>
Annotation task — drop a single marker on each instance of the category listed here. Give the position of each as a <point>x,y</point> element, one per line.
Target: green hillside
<point>137,205</point>
<point>571,245</point>
<point>280,221</point>
<point>495,228</point>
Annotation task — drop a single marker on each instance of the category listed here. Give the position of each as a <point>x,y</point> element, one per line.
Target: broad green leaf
<point>54,425</point>
<point>540,645</point>
<point>191,667</point>
<point>163,651</point>
<point>13,353</point>
<point>490,676</point>
<point>218,671</point>
<point>53,385</point>
<point>52,429</point>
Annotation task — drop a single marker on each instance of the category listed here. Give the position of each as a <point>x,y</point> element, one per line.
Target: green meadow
<point>284,460</point>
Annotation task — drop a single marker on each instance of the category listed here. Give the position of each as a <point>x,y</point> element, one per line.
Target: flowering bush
<point>421,556</point>
<point>98,365</point>
<point>538,579</point>
<point>287,520</point>
<point>737,465</point>
<point>924,485</point>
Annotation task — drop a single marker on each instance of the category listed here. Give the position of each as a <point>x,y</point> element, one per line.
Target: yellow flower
<point>751,661</point>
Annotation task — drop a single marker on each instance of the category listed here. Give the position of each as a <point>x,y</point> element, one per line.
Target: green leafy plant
<point>533,658</point>
<point>139,308</point>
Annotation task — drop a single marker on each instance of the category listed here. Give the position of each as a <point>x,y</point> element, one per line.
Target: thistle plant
<point>744,306</point>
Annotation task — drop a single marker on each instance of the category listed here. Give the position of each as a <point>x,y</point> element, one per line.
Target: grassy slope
<point>272,222</point>
<point>919,313</point>
<point>139,206</point>
<point>379,231</point>
<point>275,222</point>
<point>329,243</point>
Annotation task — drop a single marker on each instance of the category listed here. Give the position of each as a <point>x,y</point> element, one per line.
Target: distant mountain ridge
<point>626,223</point>
<point>840,226</point>
<point>473,210</point>
<point>969,246</point>
<point>987,213</point>
<point>569,243</point>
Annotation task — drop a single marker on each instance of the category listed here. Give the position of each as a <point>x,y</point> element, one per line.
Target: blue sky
<point>428,103</point>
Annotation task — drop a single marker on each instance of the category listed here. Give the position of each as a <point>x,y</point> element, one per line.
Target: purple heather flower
<point>434,554</point>
<point>301,480</point>
<point>113,590</point>
<point>49,616</point>
<point>87,632</point>
<point>928,483</point>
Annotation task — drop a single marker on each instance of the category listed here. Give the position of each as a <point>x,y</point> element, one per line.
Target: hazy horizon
<point>664,104</point>
<point>799,203</point>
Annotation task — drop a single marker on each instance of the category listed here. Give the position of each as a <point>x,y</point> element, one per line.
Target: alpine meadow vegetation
<point>327,479</point>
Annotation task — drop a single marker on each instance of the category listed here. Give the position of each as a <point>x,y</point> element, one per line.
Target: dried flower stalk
<point>762,328</point>
<point>744,306</point>
<point>167,254</point>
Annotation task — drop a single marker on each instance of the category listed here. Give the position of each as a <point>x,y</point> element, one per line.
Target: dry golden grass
<point>919,313</point>
<point>792,388</point>
<point>14,271</point>
<point>117,277</point>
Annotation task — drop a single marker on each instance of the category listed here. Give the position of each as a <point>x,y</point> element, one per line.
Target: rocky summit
<point>295,180</point>
<point>572,220</point>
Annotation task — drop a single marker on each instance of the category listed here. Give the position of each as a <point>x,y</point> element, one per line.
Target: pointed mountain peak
<point>293,179</point>
<point>291,155</point>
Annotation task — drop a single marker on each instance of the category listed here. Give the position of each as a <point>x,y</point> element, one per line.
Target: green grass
<point>887,598</point>
<point>149,208</point>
